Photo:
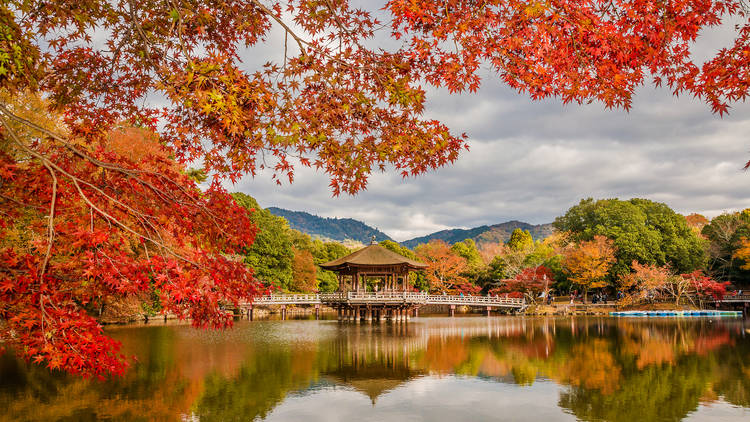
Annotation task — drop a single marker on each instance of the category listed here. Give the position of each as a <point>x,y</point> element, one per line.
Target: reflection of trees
<point>260,384</point>
<point>666,392</point>
<point>162,385</point>
<point>611,369</point>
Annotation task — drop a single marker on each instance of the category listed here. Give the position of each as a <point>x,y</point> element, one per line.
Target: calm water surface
<point>432,369</point>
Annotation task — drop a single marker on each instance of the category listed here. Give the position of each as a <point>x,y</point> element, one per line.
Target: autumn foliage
<point>303,272</point>
<point>95,201</point>
<point>589,261</point>
<point>102,239</point>
<point>531,282</point>
<point>444,269</point>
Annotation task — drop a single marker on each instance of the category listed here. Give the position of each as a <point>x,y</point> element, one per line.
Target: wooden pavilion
<point>374,261</point>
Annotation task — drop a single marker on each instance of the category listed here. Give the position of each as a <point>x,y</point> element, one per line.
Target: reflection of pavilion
<point>375,363</point>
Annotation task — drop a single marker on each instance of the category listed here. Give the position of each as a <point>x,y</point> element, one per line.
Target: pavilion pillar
<point>453,310</point>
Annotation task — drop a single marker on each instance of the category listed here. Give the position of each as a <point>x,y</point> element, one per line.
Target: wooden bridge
<point>383,305</point>
<point>743,298</point>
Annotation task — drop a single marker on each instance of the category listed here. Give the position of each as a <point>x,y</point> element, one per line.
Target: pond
<point>430,369</point>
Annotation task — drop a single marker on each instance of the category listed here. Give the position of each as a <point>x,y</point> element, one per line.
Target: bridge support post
<point>317,311</point>
<point>380,314</point>
<point>453,310</point>
<point>338,313</point>
<point>416,312</point>
<point>250,313</point>
<point>368,314</point>
<point>406,314</point>
<point>489,308</point>
<point>283,312</point>
<point>357,314</point>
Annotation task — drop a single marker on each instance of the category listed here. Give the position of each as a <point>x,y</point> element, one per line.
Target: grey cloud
<point>531,161</point>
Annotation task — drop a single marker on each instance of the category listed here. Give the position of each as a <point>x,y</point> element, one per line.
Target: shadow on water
<point>596,369</point>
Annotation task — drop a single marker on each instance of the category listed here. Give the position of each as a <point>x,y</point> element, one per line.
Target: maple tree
<point>646,281</point>
<point>531,282</point>
<point>79,231</point>
<point>445,269</point>
<point>589,261</point>
<point>331,101</point>
<point>703,286</point>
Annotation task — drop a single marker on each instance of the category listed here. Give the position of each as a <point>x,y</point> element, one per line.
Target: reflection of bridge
<point>379,305</point>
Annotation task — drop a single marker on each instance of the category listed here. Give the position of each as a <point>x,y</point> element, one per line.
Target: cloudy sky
<point>531,161</point>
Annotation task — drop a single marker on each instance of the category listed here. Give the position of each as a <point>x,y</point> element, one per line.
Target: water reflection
<point>429,369</point>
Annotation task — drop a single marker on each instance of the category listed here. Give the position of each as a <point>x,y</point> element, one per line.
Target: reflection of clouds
<point>718,412</point>
<point>428,399</point>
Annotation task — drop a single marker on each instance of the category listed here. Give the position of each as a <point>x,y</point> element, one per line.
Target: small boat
<point>703,313</point>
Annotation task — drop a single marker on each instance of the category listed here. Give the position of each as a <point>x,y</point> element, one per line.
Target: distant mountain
<point>484,234</point>
<point>339,229</point>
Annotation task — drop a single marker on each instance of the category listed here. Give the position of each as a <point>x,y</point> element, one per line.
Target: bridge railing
<point>421,298</point>
<point>287,299</point>
<point>745,297</point>
<point>476,300</point>
<point>387,297</point>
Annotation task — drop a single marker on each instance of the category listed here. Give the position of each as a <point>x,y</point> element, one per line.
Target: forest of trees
<point>639,248</point>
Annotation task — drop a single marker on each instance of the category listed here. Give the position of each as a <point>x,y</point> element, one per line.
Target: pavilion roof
<point>372,255</point>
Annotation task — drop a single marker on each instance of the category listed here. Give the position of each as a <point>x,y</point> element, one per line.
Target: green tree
<point>418,278</point>
<point>468,250</point>
<point>321,252</point>
<point>271,254</point>
<point>642,230</point>
<point>724,234</point>
<point>520,240</point>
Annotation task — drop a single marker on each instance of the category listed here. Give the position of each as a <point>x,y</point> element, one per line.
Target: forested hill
<point>484,234</point>
<point>339,229</point>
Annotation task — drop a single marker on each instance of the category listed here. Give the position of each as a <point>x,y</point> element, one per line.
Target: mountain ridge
<point>495,233</point>
<point>343,229</point>
<point>339,229</point>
